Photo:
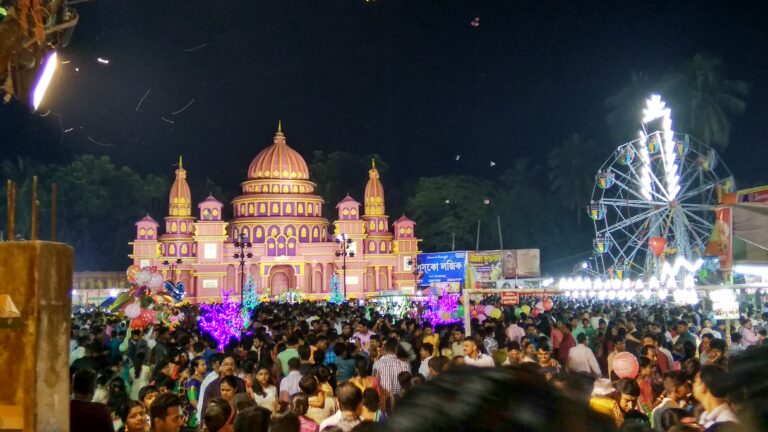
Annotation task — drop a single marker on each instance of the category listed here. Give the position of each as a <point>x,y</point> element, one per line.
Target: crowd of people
<point>581,366</point>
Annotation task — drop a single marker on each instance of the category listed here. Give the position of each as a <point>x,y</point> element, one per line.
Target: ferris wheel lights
<point>662,293</point>
<point>653,283</point>
<point>615,284</point>
<point>639,285</point>
<point>626,284</point>
<point>611,295</point>
<point>646,294</point>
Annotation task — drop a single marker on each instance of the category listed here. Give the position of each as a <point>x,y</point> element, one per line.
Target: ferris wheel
<point>653,201</point>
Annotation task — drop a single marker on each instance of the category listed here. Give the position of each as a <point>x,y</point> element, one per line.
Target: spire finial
<point>180,164</point>
<point>373,163</point>
<point>280,126</point>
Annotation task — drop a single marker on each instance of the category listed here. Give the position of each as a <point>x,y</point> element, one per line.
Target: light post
<point>415,265</point>
<point>242,255</point>
<point>172,267</point>
<point>344,245</point>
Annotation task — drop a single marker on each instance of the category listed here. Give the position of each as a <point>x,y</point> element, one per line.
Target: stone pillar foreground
<point>36,278</point>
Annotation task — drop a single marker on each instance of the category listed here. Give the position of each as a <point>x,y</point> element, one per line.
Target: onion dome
<point>147,220</point>
<point>374,193</point>
<point>180,198</point>
<point>278,161</point>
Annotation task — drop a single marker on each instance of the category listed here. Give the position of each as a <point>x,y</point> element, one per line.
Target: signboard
<point>724,304</point>
<point>521,263</point>
<point>442,267</point>
<point>510,298</point>
<point>495,269</point>
<point>484,269</point>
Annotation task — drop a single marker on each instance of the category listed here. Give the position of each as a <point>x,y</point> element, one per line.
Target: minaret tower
<point>178,240</point>
<point>378,238</point>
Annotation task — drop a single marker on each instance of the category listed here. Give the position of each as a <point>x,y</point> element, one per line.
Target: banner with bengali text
<point>442,267</point>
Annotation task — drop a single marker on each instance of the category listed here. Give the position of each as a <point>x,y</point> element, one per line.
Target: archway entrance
<point>281,279</point>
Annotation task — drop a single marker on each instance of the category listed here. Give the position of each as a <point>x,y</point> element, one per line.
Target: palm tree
<point>572,172</point>
<point>626,107</point>
<point>705,100</point>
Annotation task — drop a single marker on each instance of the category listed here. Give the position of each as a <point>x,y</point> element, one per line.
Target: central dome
<point>278,162</point>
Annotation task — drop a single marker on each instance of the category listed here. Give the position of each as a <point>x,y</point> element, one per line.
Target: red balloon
<point>137,323</point>
<point>148,316</point>
<point>657,245</point>
<point>625,365</point>
<point>548,304</point>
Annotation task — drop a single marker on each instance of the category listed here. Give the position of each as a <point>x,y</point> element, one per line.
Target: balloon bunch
<point>176,291</point>
<point>141,304</point>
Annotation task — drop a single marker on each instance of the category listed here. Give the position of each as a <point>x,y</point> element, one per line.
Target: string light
<point>223,321</point>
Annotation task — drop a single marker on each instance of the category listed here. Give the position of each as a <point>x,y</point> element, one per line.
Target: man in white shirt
<point>473,356</point>
<point>514,332</point>
<point>364,335</point>
<point>289,385</point>
<point>350,400</point>
<point>581,359</point>
<point>426,354</point>
<point>211,377</point>
<point>710,389</point>
<point>457,343</point>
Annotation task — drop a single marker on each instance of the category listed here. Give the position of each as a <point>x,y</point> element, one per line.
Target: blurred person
<point>165,413</point>
<point>473,356</point>
<point>581,359</point>
<point>84,415</point>
<point>710,388</point>
<point>350,400</point>
<point>219,416</point>
<point>300,405</point>
<point>254,419</point>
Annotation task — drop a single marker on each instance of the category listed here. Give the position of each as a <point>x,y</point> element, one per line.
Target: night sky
<point>411,80</point>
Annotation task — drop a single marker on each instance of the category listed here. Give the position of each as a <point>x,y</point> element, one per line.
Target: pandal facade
<point>282,218</point>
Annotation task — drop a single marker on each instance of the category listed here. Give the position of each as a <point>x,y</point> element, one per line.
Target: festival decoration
<point>291,296</point>
<point>250,298</point>
<point>397,306</point>
<point>133,310</point>
<point>131,273</point>
<point>625,365</point>
<point>143,277</point>
<point>336,296</point>
<point>155,281</point>
<point>176,291</point>
<point>496,313</point>
<point>665,192</point>
<point>657,245</point>
<point>443,309</point>
<point>223,321</point>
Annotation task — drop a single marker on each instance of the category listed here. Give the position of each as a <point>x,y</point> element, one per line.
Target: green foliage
<point>449,207</point>
<point>705,100</point>
<point>702,97</point>
<point>572,168</point>
<point>98,204</point>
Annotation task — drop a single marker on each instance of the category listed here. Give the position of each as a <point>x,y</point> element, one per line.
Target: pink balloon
<point>481,317</point>
<point>539,306</point>
<point>133,310</point>
<point>625,365</point>
<point>155,281</point>
<point>148,316</point>
<point>547,303</point>
<point>487,310</point>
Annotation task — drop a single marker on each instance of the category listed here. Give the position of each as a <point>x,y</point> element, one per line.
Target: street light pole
<point>172,268</point>
<point>242,255</point>
<point>344,246</point>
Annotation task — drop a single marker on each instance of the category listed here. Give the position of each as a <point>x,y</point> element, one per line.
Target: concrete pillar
<point>36,281</point>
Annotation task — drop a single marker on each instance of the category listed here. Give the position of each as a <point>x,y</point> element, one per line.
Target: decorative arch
<point>281,279</point>
<point>231,281</point>
<point>383,281</point>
